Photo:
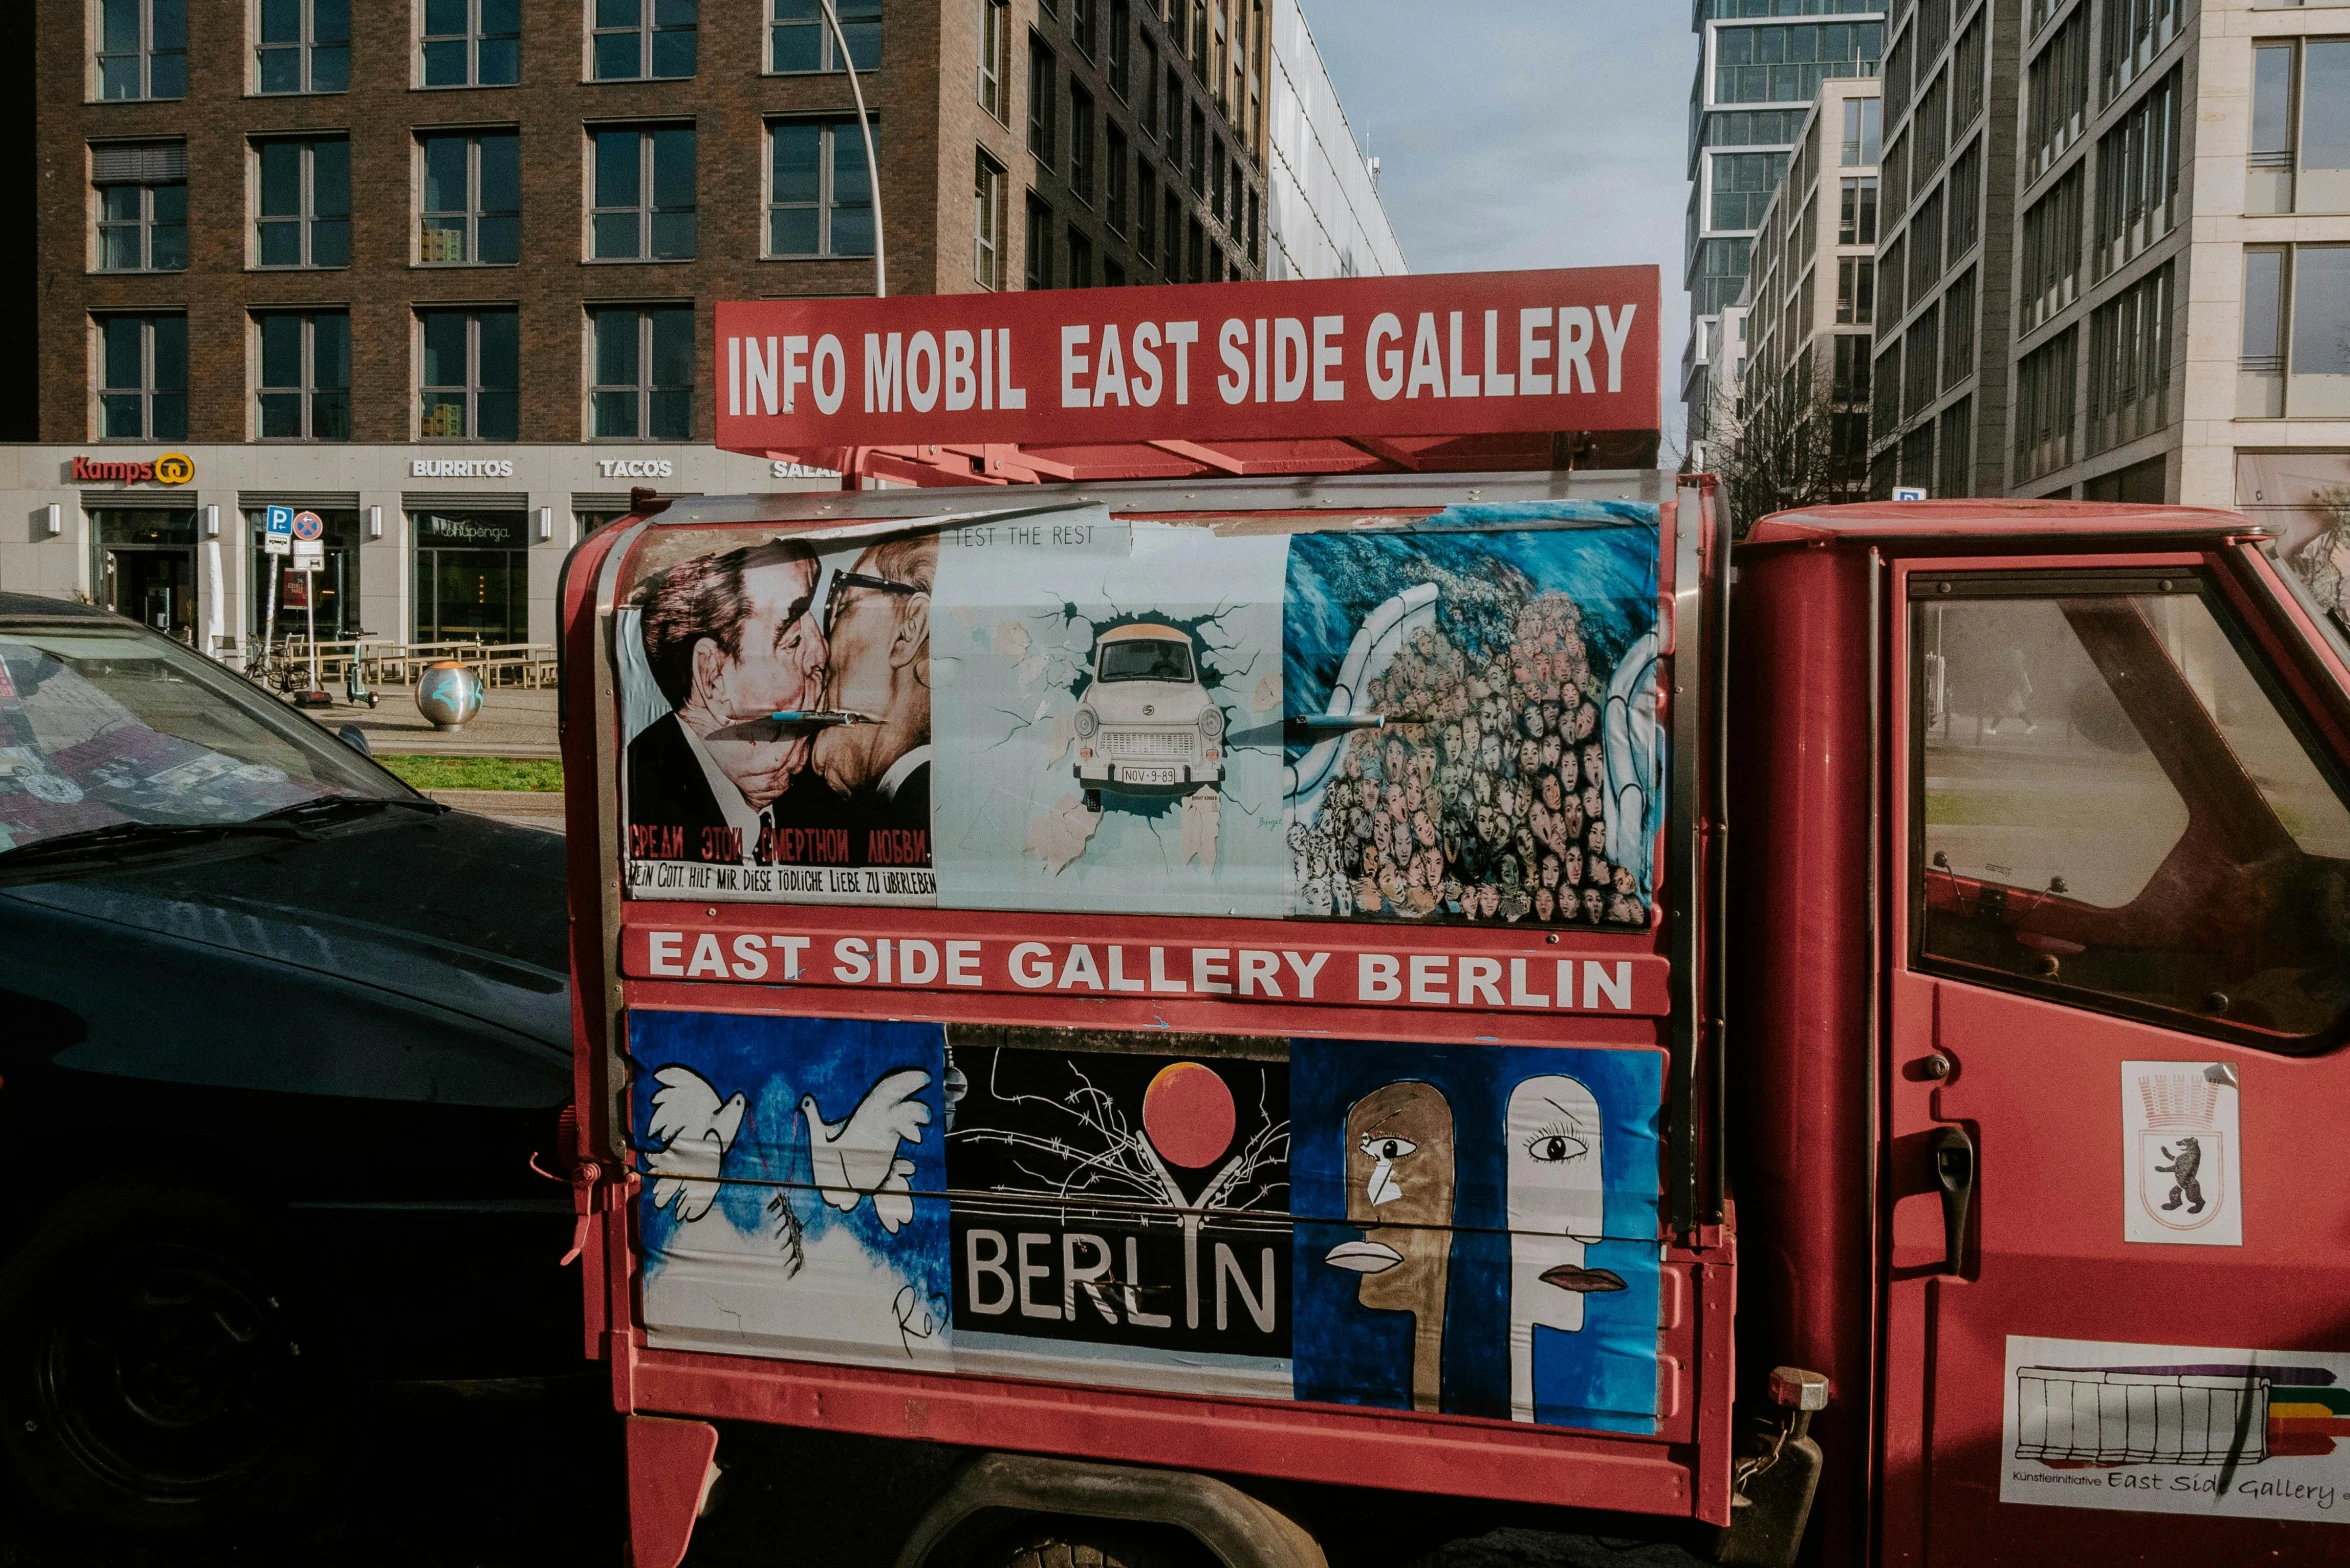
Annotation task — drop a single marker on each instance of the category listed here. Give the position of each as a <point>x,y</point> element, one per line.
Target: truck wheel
<point>1087,1543</point>
<point>153,1375</point>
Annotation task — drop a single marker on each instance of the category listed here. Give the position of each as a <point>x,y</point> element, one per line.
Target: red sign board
<point>1444,354</point>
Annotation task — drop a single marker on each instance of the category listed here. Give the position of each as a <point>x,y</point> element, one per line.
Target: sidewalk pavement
<point>513,722</point>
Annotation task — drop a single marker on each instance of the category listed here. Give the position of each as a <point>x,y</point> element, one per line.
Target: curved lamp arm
<point>872,165</point>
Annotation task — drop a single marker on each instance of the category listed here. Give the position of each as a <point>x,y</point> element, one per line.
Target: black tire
<point>155,1373</point>
<point>1093,801</point>
<point>1089,1543</point>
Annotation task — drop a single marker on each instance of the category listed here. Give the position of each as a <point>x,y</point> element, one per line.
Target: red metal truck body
<point>1419,990</point>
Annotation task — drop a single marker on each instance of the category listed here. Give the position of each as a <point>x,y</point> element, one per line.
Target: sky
<point>1525,133</point>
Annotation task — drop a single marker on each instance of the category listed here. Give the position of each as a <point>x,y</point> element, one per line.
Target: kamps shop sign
<point>1454,354</point>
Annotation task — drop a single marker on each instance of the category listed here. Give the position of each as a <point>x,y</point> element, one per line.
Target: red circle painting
<point>1187,1111</point>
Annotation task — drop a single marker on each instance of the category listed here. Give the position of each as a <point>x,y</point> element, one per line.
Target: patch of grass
<point>516,773</point>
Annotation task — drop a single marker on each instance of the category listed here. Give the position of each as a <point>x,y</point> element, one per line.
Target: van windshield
<point>1146,659</point>
<point>109,725</point>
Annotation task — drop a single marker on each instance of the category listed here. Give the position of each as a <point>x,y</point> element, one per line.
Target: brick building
<point>443,271</point>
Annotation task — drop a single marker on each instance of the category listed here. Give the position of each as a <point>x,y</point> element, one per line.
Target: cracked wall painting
<point>1477,1230</point>
<point>775,695</point>
<point>1110,715</point>
<point>1122,1215</point>
<point>2246,1434</point>
<point>1473,730</point>
<point>794,1178</point>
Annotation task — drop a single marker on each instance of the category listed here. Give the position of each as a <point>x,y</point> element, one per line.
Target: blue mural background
<point>1602,1376</point>
<point>772,1062</point>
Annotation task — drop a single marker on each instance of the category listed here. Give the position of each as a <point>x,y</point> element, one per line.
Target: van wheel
<point>153,1373</point>
<point>1093,801</point>
<point>1086,1543</point>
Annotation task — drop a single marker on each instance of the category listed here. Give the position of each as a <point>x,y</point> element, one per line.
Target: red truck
<point>1394,1104</point>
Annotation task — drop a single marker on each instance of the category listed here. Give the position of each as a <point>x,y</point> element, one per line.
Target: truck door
<point>2117,1188</point>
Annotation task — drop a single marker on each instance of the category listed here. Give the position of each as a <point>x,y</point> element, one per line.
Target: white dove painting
<point>794,1204</point>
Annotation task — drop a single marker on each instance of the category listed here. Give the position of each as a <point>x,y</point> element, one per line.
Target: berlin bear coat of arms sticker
<point>2182,1160</point>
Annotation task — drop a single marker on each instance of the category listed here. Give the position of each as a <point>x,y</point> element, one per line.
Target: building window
<point>1742,187</point>
<point>1856,213</point>
<point>1195,240</point>
<point>636,39</point>
<point>472,43</point>
<point>1044,101</point>
<point>2057,87</point>
<point>1885,390</point>
<point>2260,364</point>
<point>1198,151</point>
<point>2296,353</point>
<point>644,373</point>
<point>820,200</point>
<point>1968,81</point>
<point>1084,28</point>
<point>1925,246</point>
<point>799,38</point>
<point>2044,407</point>
<point>1924,368</point>
<point>1917,455</point>
<point>303,390</point>
<point>1850,370</point>
<point>1958,331</point>
<point>1856,292</point>
<point>1862,119</point>
<point>142,206</point>
<point>994,26</point>
<point>987,223</point>
<point>303,216</point>
<point>142,49</point>
<point>1931,127</point>
<point>1038,243</point>
<point>1080,258</point>
<point>644,194</point>
<point>1171,236</point>
<point>1889,263</point>
<point>2135,32</point>
<point>2138,177</point>
<point>1256,253</point>
<point>304,47</point>
<point>472,208</point>
<point>1146,216</point>
<point>1114,204</point>
<point>143,378</point>
<point>1787,64</point>
<point>1958,447</point>
<point>471,376</point>
<point>1217,185</point>
<point>1171,114</point>
<point>1966,200</point>
<point>2129,362</point>
<point>2300,156</point>
<point>1081,128</point>
<point>1199,36</point>
<point>2051,252</point>
<point>1121,49</point>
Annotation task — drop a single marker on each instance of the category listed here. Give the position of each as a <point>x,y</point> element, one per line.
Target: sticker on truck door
<point>2182,1154</point>
<point>2254,1434</point>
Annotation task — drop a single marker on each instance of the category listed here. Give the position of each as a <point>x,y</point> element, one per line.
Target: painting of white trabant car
<point>1145,723</point>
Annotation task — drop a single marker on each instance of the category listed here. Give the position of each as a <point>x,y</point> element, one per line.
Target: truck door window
<point>2112,802</point>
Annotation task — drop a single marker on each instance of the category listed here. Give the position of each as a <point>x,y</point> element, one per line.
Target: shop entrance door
<point>146,568</point>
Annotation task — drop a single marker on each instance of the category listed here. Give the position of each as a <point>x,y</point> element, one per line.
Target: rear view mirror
<point>354,737</point>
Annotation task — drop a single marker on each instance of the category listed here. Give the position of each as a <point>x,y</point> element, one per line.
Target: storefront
<point>472,575</point>
<point>430,542</point>
<point>145,565</point>
<point>333,589</point>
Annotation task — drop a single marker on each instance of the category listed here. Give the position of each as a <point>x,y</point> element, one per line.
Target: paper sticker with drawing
<point>1109,709</point>
<point>776,708</point>
<point>2182,1154</point>
<point>791,1204</point>
<point>2249,1434</point>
